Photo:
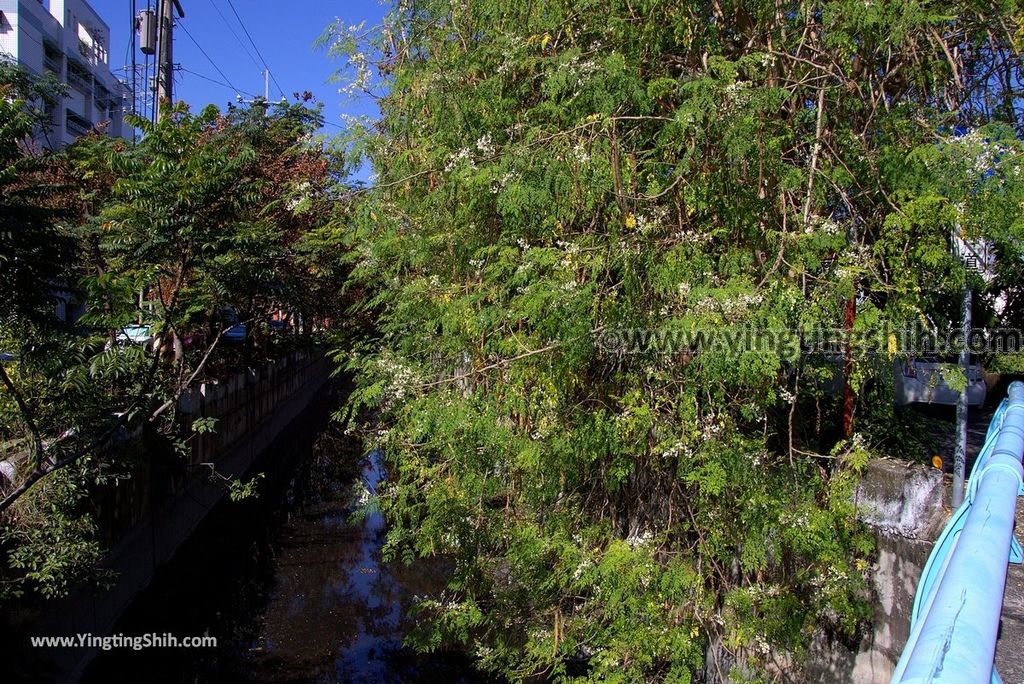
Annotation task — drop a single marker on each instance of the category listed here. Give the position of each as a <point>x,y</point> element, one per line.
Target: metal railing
<point>79,77</point>
<point>955,619</point>
<point>53,62</point>
<point>76,125</point>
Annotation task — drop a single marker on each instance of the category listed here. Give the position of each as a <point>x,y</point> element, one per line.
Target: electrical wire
<point>235,34</point>
<point>209,59</point>
<point>256,48</point>
<point>215,81</point>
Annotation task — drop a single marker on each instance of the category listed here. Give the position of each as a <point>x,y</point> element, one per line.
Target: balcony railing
<point>78,79</point>
<point>77,126</point>
<point>53,63</point>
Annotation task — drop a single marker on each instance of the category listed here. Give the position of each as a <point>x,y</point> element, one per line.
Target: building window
<point>91,45</point>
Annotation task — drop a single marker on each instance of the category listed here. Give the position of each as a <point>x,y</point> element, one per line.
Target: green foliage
<point>211,218</point>
<point>204,425</point>
<point>53,537</point>
<point>550,174</point>
<point>35,246</point>
<point>239,490</point>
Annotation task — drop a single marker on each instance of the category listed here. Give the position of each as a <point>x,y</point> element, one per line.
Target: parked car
<point>236,333</point>
<point>135,334</point>
<point>920,381</point>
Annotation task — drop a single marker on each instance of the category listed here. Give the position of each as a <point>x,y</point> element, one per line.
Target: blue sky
<point>283,31</point>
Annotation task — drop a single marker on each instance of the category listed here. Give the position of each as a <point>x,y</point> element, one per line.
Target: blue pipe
<point>956,614</point>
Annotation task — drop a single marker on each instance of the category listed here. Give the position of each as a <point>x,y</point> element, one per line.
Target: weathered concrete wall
<point>907,506</point>
<point>252,409</point>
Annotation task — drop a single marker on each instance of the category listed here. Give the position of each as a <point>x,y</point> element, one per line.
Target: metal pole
<point>960,456</point>
<point>266,84</point>
<point>165,61</point>
<point>135,76</point>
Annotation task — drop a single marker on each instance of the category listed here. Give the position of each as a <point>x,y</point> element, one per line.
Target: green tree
<point>35,248</point>
<point>551,176</point>
<point>208,212</point>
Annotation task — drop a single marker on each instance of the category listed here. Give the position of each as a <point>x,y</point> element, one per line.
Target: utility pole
<point>135,84</point>
<point>165,58</point>
<point>979,258</point>
<point>266,85</point>
<point>960,454</point>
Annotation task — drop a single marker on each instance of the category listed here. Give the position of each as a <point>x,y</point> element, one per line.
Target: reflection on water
<point>291,584</point>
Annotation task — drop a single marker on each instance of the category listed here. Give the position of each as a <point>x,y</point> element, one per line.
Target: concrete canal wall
<point>906,507</point>
<point>147,516</point>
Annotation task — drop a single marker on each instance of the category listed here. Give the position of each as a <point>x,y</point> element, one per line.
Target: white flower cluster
<point>692,237</point>
<point>580,154</point>
<point>831,227</point>
<point>502,181</point>
<point>678,449</point>
<point>738,93</point>
<point>983,155</point>
<point>570,247</point>
<point>402,378</point>
<point>832,577</point>
<point>468,155</point>
<point>360,494</point>
<point>583,566</point>
<point>732,308</point>
<point>710,429</point>
<point>579,70</point>
<point>463,155</point>
<point>638,539</point>
<point>484,145</point>
<point>627,249</point>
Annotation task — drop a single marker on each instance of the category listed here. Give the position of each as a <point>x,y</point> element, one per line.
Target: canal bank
<point>291,583</point>
<point>147,515</point>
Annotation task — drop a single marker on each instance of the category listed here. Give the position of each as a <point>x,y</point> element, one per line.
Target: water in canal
<point>291,584</point>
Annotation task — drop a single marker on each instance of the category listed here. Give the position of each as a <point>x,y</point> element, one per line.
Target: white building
<point>69,40</point>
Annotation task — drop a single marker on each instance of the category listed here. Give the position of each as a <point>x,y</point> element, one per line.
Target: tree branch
<point>26,415</point>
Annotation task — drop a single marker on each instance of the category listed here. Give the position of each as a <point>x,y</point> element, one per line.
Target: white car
<point>135,334</point>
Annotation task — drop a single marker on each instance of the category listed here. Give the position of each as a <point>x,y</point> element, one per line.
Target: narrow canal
<point>291,583</point>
